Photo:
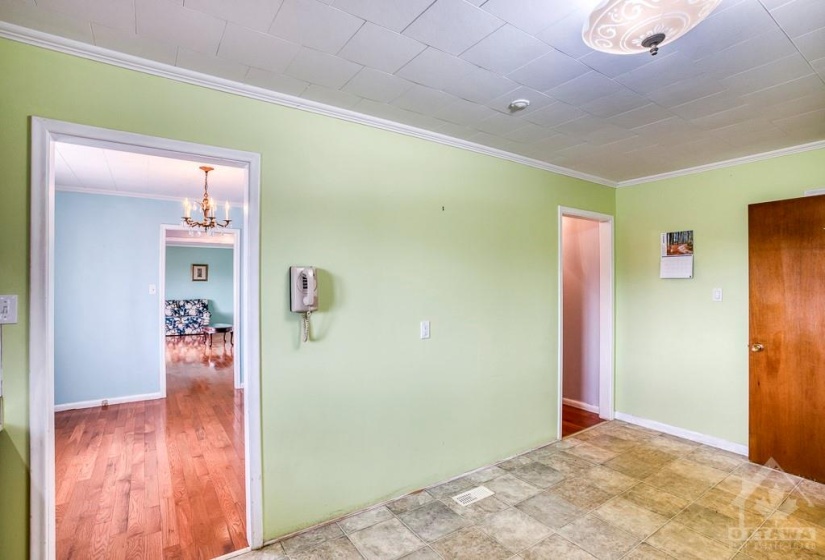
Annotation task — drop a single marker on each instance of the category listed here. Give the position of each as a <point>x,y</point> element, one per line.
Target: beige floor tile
<point>731,530</point>
<point>337,549</point>
<point>511,490</point>
<point>515,529</point>
<point>271,552</point>
<point>556,547</point>
<point>580,493</point>
<point>731,504</point>
<point>515,462</point>
<point>754,495</point>
<point>612,482</point>
<point>592,453</point>
<point>551,510</point>
<point>685,478</point>
<point>672,444</point>
<point>716,458</point>
<point>646,552</point>
<point>483,475</point>
<point>786,537</point>
<point>477,512</point>
<point>365,519</point>
<point>387,540</point>
<point>538,474</point>
<point>566,463</point>
<point>630,517</point>
<point>682,542</point>
<point>640,462</point>
<point>450,489</point>
<point>768,477</point>
<point>409,502</point>
<point>807,501</point>
<point>432,521</point>
<point>425,553</point>
<point>470,544</point>
<point>311,538</point>
<point>613,443</point>
<point>548,450</point>
<point>600,539</point>
<point>665,504</point>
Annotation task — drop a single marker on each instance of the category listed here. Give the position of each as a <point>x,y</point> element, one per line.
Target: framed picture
<point>200,272</point>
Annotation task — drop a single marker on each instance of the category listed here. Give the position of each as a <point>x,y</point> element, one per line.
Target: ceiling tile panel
<point>320,68</point>
<point>707,105</point>
<point>740,113</point>
<point>128,42</point>
<point>813,122</point>
<point>554,115</point>
<point>776,72</point>
<point>549,71</point>
<point>26,14</point>
<point>783,93</point>
<point>529,132</point>
<point>313,24</point>
<point>640,116</point>
<point>392,14</point>
<point>170,23</point>
<point>662,73</point>
<point>424,100</point>
<point>686,90</point>
<point>380,48</point>
<point>256,14</point>
<point>329,96</point>
<point>725,28</point>
<point>479,85</point>
<point>435,69</point>
<point>213,65</point>
<point>505,50</point>
<point>256,49</point>
<point>500,124</point>
<point>396,114</point>
<point>463,112</point>
<point>812,45</point>
<point>754,52</point>
<point>116,14</point>
<point>275,82</point>
<point>800,16</point>
<point>616,103</point>
<point>492,141</point>
<point>795,107</point>
<point>530,15</point>
<point>612,65</point>
<point>376,85</point>
<point>452,26</point>
<point>566,34</point>
<point>584,89</point>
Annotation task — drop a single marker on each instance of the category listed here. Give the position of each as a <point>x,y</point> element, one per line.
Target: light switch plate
<point>716,294</point>
<point>8,310</point>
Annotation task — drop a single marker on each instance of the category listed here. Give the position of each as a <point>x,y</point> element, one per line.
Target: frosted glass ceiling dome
<point>634,26</point>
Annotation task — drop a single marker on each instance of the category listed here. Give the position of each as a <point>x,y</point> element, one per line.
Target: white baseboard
<point>712,441</point>
<point>582,405</point>
<point>111,401</point>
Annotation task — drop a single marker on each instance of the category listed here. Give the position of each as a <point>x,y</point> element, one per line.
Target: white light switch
<point>425,329</point>
<point>153,289</point>
<point>8,310</point>
<point>717,294</point>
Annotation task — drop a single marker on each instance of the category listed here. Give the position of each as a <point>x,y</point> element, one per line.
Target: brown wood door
<point>787,318</point>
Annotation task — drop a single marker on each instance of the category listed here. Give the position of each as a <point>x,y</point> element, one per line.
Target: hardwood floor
<point>156,479</point>
<point>574,420</point>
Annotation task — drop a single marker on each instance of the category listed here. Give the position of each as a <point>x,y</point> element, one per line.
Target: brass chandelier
<point>207,207</point>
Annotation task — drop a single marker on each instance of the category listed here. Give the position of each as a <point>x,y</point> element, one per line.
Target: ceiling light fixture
<point>207,207</point>
<point>634,26</point>
<point>518,105</point>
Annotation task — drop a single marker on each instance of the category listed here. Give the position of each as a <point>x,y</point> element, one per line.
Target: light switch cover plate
<point>8,310</point>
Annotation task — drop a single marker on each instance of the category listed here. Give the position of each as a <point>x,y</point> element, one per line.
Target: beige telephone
<point>303,282</point>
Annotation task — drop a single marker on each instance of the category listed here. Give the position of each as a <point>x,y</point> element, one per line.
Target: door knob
<point>756,347</point>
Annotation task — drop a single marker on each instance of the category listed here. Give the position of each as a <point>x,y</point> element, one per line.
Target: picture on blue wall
<point>200,272</point>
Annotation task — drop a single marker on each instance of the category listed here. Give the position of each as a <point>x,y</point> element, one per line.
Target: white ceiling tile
<point>819,67</point>
<point>664,71</point>
<point>671,130</point>
<point>424,100</point>
<point>530,15</point>
<point>640,116</point>
<point>313,24</point>
<point>616,103</point>
<point>456,131</point>
<point>435,69</point>
<point>452,26</point>
<point>88,164</point>
<point>812,45</point>
<point>582,127</point>
<point>116,14</point>
<point>813,121</point>
<point>741,113</point>
<point>463,112</point>
<point>566,34</point>
<point>256,49</point>
<point>376,85</point>
<point>170,23</point>
<point>130,43</point>
<point>492,141</point>
<point>392,14</point>
<point>275,82</point>
<point>212,65</point>
<point>776,72</point>
<point>709,105</point>
<point>328,96</point>
<point>500,124</point>
<point>748,131</point>
<point>252,14</point>
<point>748,54</point>
<point>537,101</point>
<point>723,29</point>
<point>529,132</point>
<point>479,85</point>
<point>554,115</point>
<point>584,88</point>
<point>549,71</point>
<point>505,50</point>
<point>63,174</point>
<point>380,48</point>
<point>787,92</point>
<point>612,65</point>
<point>800,16</point>
<point>396,114</point>
<point>686,90</point>
<point>25,14</point>
<point>321,68</point>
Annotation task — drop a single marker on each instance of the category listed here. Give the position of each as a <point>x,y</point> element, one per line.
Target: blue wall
<point>218,289</point>
<point>107,326</point>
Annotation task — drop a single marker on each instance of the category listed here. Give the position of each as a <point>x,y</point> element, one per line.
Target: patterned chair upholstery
<point>186,316</point>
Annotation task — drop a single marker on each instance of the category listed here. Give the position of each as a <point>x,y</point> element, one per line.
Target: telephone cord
<point>306,325</point>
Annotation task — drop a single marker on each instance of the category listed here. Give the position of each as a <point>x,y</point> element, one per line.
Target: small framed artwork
<point>200,272</point>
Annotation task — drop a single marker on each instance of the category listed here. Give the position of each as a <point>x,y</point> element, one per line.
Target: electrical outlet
<point>8,310</point>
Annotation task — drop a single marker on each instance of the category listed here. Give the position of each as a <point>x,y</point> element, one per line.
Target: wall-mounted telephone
<point>303,290</point>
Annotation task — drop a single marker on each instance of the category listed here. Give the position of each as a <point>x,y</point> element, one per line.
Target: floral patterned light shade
<point>634,26</point>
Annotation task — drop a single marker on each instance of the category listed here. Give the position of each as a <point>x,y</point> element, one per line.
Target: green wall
<point>681,358</point>
<point>367,411</point>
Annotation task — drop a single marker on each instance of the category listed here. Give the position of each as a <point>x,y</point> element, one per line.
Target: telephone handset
<point>303,282</point>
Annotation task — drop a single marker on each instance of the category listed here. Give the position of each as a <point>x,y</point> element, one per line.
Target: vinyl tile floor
<point>615,491</point>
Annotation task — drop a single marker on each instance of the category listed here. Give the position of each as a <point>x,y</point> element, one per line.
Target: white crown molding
<point>98,54</point>
<point>819,144</point>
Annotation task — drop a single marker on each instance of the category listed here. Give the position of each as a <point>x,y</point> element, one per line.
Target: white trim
<point>110,401</point>
<point>45,133</point>
<point>200,243</point>
<point>236,304</point>
<point>581,405</point>
<point>712,441</point>
<point>161,293</point>
<point>98,54</point>
<point>148,196</point>
<point>606,310</point>
<point>722,164</point>
<point>815,192</point>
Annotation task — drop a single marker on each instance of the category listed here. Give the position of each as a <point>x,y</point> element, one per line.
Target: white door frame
<point>606,309</point>
<point>45,132</point>
<point>236,291</point>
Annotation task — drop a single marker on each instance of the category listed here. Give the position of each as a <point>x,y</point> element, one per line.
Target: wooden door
<point>787,335</point>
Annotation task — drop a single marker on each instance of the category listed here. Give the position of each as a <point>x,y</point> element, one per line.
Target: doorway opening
<point>46,134</point>
<point>585,320</point>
